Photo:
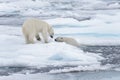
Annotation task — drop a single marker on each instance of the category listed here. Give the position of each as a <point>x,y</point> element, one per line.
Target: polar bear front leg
<point>26,39</point>
<point>45,36</point>
<point>31,38</point>
<point>38,37</point>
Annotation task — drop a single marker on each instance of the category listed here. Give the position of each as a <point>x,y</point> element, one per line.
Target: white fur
<point>68,40</point>
<point>32,27</point>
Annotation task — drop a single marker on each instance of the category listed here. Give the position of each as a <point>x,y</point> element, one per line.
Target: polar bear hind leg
<point>38,37</point>
<point>45,36</point>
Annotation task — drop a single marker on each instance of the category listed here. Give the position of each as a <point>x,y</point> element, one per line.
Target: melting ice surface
<point>57,57</point>
<point>95,24</point>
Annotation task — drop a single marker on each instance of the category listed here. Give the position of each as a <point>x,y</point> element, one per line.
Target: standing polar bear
<point>32,27</point>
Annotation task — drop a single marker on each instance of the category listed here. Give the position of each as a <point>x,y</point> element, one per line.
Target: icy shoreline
<point>94,23</point>
<point>50,58</point>
<point>14,51</point>
<point>99,75</point>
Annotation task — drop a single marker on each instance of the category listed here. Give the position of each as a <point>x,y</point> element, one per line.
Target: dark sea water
<point>96,75</point>
<point>110,53</point>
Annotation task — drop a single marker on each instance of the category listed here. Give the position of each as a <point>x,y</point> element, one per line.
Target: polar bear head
<point>51,32</point>
<point>60,39</point>
<point>67,40</point>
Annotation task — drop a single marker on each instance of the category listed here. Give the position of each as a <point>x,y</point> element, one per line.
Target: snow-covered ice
<point>15,52</point>
<point>90,22</point>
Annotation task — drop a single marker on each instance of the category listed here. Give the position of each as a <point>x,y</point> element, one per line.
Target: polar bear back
<point>35,25</point>
<point>71,41</point>
<point>32,27</point>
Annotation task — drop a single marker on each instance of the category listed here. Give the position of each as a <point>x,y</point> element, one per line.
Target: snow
<point>99,25</point>
<point>14,51</point>
<point>63,21</point>
<point>67,18</point>
<point>102,29</point>
<point>80,68</point>
<point>53,7</point>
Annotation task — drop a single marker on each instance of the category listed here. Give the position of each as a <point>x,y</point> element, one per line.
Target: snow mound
<point>14,51</point>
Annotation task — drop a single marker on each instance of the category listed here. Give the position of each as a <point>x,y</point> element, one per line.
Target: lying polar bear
<point>32,27</point>
<point>68,40</point>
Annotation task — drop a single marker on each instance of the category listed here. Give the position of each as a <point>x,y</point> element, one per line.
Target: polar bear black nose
<point>55,39</point>
<point>51,36</point>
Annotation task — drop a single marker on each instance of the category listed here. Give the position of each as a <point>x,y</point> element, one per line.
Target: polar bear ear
<point>61,38</point>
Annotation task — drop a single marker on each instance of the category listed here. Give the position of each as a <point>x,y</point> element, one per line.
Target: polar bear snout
<point>59,39</point>
<point>55,39</point>
<point>51,36</point>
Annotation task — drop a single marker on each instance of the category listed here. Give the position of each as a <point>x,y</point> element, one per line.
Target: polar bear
<point>32,27</point>
<point>68,40</point>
